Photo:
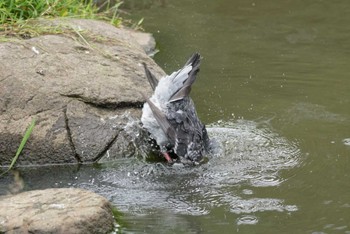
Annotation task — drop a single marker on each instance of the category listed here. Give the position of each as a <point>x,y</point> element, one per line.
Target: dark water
<point>274,87</point>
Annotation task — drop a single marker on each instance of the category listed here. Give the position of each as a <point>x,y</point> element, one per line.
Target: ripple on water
<point>266,180</point>
<point>243,153</point>
<point>247,220</point>
<point>246,206</point>
<point>346,141</point>
<point>250,154</point>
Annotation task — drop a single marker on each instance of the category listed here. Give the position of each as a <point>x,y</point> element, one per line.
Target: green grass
<point>21,146</point>
<point>16,15</point>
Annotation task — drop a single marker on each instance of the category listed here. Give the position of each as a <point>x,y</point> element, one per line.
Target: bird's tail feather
<point>185,90</point>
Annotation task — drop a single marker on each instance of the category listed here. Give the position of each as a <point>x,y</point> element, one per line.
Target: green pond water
<point>274,90</point>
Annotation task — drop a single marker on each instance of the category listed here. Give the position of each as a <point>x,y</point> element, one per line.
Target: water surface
<point>281,61</point>
<point>274,88</point>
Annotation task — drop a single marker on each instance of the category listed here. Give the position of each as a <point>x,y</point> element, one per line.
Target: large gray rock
<point>83,87</point>
<point>56,211</point>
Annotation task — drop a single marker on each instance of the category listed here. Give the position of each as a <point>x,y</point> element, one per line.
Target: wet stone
<point>63,210</point>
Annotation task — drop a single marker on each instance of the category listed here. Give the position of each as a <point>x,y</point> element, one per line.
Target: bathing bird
<point>170,115</point>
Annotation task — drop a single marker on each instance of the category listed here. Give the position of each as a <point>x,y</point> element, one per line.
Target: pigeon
<point>170,115</point>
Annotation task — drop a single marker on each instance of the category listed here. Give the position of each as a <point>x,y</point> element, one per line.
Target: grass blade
<point>21,146</point>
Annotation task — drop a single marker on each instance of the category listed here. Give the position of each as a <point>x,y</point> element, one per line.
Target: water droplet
<point>247,191</point>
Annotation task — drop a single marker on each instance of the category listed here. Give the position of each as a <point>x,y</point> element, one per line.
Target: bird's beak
<point>167,157</point>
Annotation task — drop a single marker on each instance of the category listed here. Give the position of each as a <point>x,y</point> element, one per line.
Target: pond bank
<point>83,86</point>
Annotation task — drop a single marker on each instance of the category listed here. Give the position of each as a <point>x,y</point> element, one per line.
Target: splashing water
<point>243,154</point>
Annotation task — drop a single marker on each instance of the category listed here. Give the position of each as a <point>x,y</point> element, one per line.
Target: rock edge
<point>58,210</point>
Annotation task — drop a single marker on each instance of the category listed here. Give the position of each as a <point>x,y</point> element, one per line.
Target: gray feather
<point>162,121</point>
<point>170,115</point>
<point>151,78</point>
<point>185,90</point>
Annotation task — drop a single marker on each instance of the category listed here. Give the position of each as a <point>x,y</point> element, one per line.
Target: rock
<point>82,86</point>
<point>146,40</point>
<point>63,210</point>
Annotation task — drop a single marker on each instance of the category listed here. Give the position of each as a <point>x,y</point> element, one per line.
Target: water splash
<point>250,154</point>
<point>243,153</point>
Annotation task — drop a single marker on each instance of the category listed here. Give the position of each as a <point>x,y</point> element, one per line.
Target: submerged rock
<point>63,210</point>
<point>83,87</point>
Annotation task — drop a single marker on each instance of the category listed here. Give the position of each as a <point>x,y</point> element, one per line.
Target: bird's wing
<point>163,122</point>
<point>151,78</point>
